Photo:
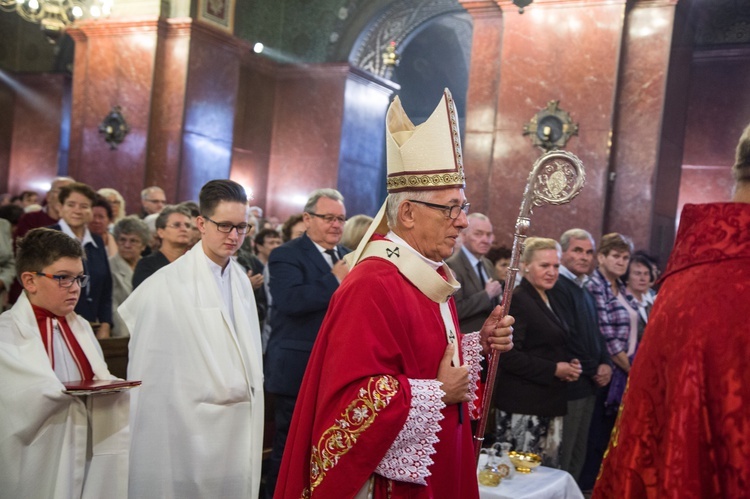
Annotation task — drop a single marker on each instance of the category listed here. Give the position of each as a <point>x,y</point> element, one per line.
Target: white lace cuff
<point>472,350</point>
<point>409,456</point>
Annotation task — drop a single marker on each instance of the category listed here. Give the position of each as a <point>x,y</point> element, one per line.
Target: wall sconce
<point>521,4</point>
<point>114,128</point>
<point>54,16</point>
<point>390,56</point>
<point>551,128</point>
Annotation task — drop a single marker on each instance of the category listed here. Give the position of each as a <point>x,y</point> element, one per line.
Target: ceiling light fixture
<point>54,16</point>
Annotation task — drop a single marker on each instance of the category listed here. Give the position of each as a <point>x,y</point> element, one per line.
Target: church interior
<point>286,96</point>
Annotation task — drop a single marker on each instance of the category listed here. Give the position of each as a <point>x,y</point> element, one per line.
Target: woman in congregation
<point>617,309</point>
<point>95,302</point>
<point>354,231</point>
<point>618,323</point>
<point>530,388</point>
<point>101,220</point>
<point>638,280</point>
<point>132,236</point>
<point>116,201</point>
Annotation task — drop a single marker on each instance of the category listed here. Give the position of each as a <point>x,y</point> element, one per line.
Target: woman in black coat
<point>530,391</point>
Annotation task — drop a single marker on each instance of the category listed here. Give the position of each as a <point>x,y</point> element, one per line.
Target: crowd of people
<point>365,337</point>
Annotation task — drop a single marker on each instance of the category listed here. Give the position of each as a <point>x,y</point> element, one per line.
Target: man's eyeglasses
<point>157,201</point>
<point>452,212</point>
<point>226,227</point>
<point>329,219</point>
<point>179,225</point>
<point>66,281</point>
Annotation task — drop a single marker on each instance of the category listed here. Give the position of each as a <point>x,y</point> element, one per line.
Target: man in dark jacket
<point>304,273</point>
<point>585,343</point>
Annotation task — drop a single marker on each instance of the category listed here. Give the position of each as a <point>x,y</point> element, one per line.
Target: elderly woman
<point>101,218</point>
<point>116,201</point>
<point>530,391</point>
<point>174,225</point>
<point>131,235</point>
<point>95,302</point>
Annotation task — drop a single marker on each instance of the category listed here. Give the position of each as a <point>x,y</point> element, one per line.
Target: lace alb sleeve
<point>409,456</point>
<point>472,350</point>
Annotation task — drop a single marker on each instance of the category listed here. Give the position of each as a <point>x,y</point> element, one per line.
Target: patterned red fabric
<point>684,425</point>
<point>43,320</point>
<point>380,331</point>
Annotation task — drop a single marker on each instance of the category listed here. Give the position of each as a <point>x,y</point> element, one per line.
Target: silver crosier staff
<point>556,178</point>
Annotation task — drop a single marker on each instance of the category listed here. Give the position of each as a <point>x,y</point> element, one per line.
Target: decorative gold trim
<point>340,437</point>
<point>431,181</point>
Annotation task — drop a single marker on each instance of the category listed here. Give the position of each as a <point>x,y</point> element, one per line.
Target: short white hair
<point>393,201</point>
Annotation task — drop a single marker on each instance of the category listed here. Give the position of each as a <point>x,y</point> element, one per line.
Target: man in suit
<point>479,289</point>
<point>304,273</point>
<point>153,200</point>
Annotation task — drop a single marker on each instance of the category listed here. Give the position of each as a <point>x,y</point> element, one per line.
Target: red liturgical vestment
<point>368,407</point>
<point>684,426</point>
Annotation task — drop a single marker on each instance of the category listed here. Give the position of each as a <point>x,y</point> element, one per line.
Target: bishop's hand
<point>455,380</point>
<point>497,332</point>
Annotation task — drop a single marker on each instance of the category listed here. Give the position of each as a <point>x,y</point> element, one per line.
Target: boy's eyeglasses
<point>66,281</point>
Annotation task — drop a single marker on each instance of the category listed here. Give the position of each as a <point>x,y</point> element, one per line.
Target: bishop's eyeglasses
<point>451,212</point>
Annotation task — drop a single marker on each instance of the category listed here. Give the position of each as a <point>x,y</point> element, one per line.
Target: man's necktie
<point>481,274</point>
<point>333,255</point>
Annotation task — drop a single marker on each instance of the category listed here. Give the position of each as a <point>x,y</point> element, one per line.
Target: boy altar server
<point>53,444</point>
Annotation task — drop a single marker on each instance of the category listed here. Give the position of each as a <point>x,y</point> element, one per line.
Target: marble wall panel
<point>35,139</point>
<point>705,184</point>
<point>309,108</point>
<point>253,127</point>
<point>7,96</point>
<point>641,107</point>
<point>114,65</point>
<point>168,106</point>
<point>203,159</point>
<point>210,98</point>
<point>565,51</point>
<point>481,98</point>
<point>718,106</point>
<point>362,163</point>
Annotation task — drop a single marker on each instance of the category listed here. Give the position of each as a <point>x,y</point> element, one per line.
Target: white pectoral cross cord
<point>450,335</point>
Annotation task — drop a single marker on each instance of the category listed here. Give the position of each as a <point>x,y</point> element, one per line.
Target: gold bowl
<point>524,462</point>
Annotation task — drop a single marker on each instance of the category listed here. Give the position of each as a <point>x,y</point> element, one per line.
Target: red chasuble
<point>380,331</point>
<point>684,425</point>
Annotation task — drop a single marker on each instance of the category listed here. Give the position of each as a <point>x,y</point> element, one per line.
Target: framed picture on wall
<point>217,13</point>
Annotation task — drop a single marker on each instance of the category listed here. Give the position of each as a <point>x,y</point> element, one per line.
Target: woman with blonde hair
<point>354,231</point>
<point>530,391</point>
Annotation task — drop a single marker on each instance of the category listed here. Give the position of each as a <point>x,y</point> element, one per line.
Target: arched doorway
<point>433,42</point>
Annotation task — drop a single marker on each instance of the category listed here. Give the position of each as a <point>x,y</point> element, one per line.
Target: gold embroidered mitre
<point>427,156</point>
<point>422,157</point>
